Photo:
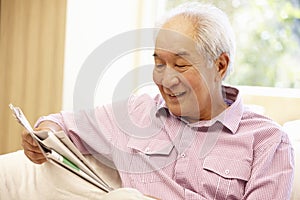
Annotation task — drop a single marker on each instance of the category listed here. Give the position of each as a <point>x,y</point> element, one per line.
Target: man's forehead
<point>175,42</point>
<point>175,36</point>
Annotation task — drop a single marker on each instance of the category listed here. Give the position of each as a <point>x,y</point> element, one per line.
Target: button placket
<point>180,168</point>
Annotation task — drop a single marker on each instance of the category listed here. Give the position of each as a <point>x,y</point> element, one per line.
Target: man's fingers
<point>37,158</point>
<point>27,137</point>
<point>28,146</point>
<point>31,149</point>
<point>41,161</point>
<point>35,155</point>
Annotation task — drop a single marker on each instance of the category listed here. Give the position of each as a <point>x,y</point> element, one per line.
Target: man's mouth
<point>177,94</point>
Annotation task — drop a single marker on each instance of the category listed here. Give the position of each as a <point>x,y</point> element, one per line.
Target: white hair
<point>214,34</point>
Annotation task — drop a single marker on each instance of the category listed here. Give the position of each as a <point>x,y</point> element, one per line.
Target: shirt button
<point>227,171</point>
<point>147,149</point>
<point>182,155</point>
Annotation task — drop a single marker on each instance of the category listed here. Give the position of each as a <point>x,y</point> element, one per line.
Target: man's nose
<point>170,77</point>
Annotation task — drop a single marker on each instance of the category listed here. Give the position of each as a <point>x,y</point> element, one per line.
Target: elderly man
<point>195,140</point>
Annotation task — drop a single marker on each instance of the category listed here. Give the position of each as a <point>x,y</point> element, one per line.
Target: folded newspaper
<point>59,150</point>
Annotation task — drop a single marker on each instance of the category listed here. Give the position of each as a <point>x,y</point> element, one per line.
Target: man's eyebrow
<point>180,53</point>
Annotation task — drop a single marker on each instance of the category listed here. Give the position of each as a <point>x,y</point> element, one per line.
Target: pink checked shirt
<point>237,155</point>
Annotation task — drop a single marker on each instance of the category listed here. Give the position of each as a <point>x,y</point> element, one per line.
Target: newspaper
<point>59,150</point>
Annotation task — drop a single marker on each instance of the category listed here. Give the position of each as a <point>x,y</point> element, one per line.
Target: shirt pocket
<point>224,178</point>
<point>148,159</point>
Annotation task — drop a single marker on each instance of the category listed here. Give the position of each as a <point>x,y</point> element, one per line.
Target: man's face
<point>182,75</point>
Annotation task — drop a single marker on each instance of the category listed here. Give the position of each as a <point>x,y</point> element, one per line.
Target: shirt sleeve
<point>87,129</point>
<point>272,171</point>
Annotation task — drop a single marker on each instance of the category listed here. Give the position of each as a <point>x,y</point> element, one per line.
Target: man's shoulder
<point>258,120</point>
<point>144,101</point>
<point>264,129</point>
<point>142,109</point>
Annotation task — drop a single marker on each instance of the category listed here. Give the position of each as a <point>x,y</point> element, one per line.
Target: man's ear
<point>222,64</point>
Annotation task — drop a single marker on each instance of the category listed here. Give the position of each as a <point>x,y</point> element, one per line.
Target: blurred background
<point>44,43</point>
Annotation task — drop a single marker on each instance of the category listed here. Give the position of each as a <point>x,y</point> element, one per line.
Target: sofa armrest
<point>22,179</point>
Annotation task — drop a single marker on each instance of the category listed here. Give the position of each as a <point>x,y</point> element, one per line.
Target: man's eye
<point>180,66</point>
<point>159,65</point>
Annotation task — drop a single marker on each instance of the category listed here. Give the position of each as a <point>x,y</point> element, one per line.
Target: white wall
<point>89,24</point>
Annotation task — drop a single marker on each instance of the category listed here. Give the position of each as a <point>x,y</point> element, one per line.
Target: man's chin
<point>175,112</point>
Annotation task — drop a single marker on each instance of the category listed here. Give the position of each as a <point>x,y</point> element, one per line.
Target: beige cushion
<point>22,179</point>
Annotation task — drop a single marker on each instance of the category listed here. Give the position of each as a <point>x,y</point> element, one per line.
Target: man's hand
<point>31,149</point>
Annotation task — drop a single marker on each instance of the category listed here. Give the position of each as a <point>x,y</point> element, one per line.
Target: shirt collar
<point>230,117</point>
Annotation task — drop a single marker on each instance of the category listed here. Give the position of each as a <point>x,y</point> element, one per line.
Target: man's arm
<point>272,172</point>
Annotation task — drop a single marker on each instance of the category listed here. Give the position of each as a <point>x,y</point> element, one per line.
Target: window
<point>268,41</point>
